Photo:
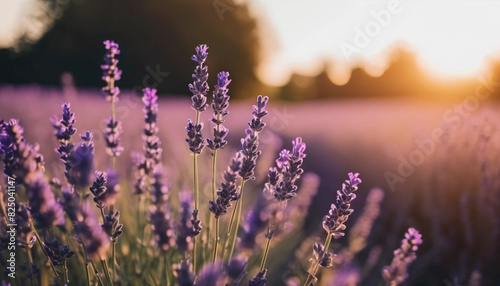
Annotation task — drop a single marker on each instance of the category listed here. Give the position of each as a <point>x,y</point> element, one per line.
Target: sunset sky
<point>451,38</point>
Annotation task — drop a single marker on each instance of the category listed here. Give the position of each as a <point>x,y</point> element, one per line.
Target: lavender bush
<point>143,226</point>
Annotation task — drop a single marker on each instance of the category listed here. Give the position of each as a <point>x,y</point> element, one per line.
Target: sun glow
<point>450,38</point>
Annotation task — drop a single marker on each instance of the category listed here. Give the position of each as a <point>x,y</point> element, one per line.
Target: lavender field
<point>448,189</point>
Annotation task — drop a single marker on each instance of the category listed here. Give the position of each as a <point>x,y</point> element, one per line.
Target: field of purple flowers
<point>137,190</point>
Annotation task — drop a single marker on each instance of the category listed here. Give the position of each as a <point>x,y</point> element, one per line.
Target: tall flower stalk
<point>111,74</point>
<point>333,224</point>
<point>250,153</point>
<point>282,185</point>
<point>220,104</point>
<point>397,272</point>
<point>199,89</point>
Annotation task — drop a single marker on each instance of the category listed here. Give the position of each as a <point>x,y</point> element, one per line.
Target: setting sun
<point>449,40</point>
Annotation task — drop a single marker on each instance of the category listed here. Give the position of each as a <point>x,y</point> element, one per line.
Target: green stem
<point>66,274</point>
<point>106,271</point>
<point>30,259</point>
<point>264,255</point>
<point>87,265</point>
<point>238,219</point>
<point>96,273</point>
<point>217,239</point>
<point>165,269</point>
<point>231,222</point>
<point>113,261</point>
<point>315,265</point>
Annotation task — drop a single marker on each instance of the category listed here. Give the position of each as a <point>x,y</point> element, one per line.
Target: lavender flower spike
<point>340,211</point>
<point>228,191</point>
<point>90,234</point>
<point>396,273</point>
<point>259,279</point>
<point>282,180</point>
<point>81,162</point>
<point>250,144</point>
<point>112,137</point>
<point>220,104</point>
<point>199,87</point>
<point>110,71</point>
<point>195,138</point>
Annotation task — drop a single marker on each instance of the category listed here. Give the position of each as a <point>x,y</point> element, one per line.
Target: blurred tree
<point>156,37</point>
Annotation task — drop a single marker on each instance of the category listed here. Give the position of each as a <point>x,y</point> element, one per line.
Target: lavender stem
<point>264,255</point>
<point>315,266</point>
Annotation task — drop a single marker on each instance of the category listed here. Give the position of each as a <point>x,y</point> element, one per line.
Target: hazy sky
<point>451,37</point>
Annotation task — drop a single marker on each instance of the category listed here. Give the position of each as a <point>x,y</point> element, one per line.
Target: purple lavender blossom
<point>81,162</point>
<point>21,159</point>
<point>321,257</point>
<point>220,103</point>
<point>397,272</point>
<point>185,228</point>
<point>112,137</point>
<point>57,252</point>
<point>259,279</point>
<point>43,205</point>
<point>185,275</point>
<point>163,227</point>
<point>340,211</point>
<point>282,180</point>
<point>63,131</point>
<point>24,231</point>
<point>110,71</point>
<point>105,188</point>
<point>71,204</point>
<point>199,87</point>
<point>211,275</point>
<point>152,145</point>
<point>228,191</point>
<point>236,270</point>
<point>112,226</point>
<point>159,189</point>
<point>250,144</point>
<point>90,234</point>
<point>255,222</point>
<point>195,138</point>
<point>160,213</point>
<point>196,223</point>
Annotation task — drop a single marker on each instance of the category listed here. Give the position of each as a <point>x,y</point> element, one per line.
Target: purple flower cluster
<point>112,226</point>
<point>57,252</point>
<point>333,222</point>
<point>25,233</point>
<point>250,144</point>
<point>185,275</point>
<point>185,228</point>
<point>105,188</point>
<point>81,162</point>
<point>396,273</point>
<point>160,213</point>
<point>112,137</point>
<point>259,279</point>
<point>228,191</point>
<point>91,234</point>
<point>211,275</point>
<point>199,87</point>
<point>321,257</point>
<point>152,143</point>
<point>64,129</point>
<point>21,159</point>
<point>282,180</point>
<point>43,205</point>
<point>220,103</point>
<point>195,138</point>
<point>110,71</point>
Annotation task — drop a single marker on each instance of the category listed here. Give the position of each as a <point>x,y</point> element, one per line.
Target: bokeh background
<point>404,92</point>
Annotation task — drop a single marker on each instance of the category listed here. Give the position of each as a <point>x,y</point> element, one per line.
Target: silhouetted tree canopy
<point>154,35</point>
